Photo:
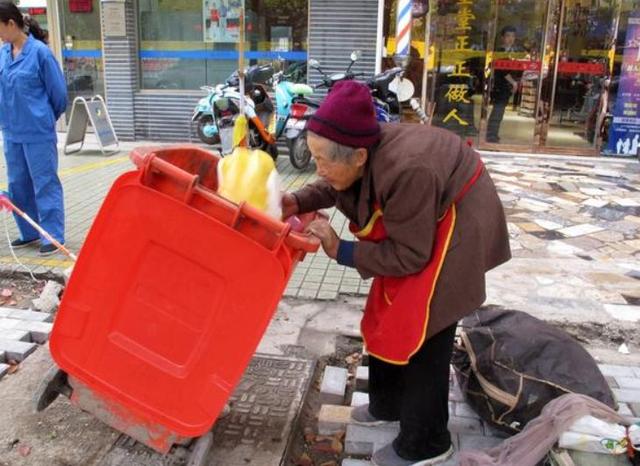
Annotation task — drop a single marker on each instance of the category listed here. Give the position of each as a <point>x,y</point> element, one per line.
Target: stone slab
<point>359,399</point>
<point>5,311</point>
<point>623,312</point>
<point>16,350</point>
<point>333,419</point>
<point>361,440</point>
<point>30,315</point>
<point>4,368</point>
<point>465,425</point>
<point>478,442</point>
<point>626,395</point>
<point>39,331</point>
<point>628,382</point>
<point>15,334</point>
<point>617,371</point>
<point>352,462</point>
<point>334,385</point>
<point>362,378</point>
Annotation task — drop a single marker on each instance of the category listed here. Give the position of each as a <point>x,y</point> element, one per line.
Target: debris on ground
<point>49,299</point>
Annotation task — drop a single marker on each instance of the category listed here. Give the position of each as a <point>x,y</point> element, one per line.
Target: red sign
<point>80,6</point>
<point>519,65</point>
<point>583,68</point>
<point>36,11</point>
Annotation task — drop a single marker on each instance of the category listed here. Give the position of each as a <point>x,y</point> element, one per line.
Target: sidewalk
<point>574,224</point>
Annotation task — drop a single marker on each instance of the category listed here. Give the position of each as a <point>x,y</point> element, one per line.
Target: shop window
<point>191,43</point>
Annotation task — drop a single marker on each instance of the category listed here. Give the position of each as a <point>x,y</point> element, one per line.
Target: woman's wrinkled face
<point>339,174</point>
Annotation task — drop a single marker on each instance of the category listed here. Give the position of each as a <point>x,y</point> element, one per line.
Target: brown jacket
<point>414,175</point>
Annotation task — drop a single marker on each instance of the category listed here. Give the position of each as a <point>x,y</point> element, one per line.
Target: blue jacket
<point>33,93</point>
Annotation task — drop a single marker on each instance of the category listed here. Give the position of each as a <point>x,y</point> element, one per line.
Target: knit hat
<point>347,116</point>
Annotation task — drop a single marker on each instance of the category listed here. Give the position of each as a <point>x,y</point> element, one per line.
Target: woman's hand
<point>321,229</point>
<point>289,205</point>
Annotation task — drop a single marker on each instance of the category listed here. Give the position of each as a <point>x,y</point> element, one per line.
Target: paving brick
<point>627,395</point>
<point>362,378</point>
<point>334,385</point>
<point>15,335</point>
<point>624,409</point>
<point>628,382</point>
<point>40,331</point>
<point>17,350</point>
<point>361,440</point>
<point>359,399</point>
<point>31,315</point>
<point>619,371</point>
<point>611,381</point>
<point>478,442</point>
<point>352,462</point>
<point>465,425</point>
<point>4,368</point>
<point>333,419</point>
<point>6,323</point>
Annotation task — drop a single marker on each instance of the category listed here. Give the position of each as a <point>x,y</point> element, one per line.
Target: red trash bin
<point>171,294</point>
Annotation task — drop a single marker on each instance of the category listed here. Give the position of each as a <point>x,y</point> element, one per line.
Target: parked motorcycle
<point>301,107</point>
<point>216,113</point>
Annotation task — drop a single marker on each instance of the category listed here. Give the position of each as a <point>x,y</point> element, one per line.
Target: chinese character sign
<point>624,135</point>
<point>221,20</point>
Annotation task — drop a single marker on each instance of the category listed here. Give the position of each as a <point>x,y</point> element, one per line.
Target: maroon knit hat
<point>347,116</point>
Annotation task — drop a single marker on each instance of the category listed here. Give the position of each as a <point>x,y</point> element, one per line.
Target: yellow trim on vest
<point>370,224</point>
<point>433,289</point>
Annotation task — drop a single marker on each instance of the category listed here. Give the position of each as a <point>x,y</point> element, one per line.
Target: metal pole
<point>425,70</point>
<point>241,59</point>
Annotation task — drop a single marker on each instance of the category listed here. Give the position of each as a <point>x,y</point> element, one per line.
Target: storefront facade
<point>149,57</point>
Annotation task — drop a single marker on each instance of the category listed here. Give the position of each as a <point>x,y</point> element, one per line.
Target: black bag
<point>510,365</point>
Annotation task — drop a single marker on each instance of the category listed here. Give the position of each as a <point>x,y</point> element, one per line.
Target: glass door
<point>580,43</point>
<point>81,42</point>
<point>515,70</point>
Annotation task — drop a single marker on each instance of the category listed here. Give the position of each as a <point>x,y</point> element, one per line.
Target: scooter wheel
<point>202,123</point>
<point>51,386</point>
<point>299,152</point>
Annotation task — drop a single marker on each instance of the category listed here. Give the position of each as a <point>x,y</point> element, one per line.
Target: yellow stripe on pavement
<point>45,262</point>
<point>87,167</point>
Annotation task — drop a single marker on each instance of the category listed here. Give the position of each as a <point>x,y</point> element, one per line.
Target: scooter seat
<point>301,89</point>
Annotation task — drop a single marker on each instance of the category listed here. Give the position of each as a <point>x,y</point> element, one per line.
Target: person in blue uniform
<point>33,95</point>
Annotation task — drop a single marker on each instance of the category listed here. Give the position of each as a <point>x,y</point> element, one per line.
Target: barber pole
<point>403,31</point>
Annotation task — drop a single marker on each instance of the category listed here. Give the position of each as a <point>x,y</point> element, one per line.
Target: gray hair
<point>336,152</point>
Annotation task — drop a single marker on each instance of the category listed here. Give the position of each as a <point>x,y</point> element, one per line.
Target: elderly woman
<point>429,225</point>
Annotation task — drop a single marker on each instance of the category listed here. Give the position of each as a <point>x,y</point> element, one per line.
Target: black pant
<point>495,119</point>
<point>417,394</point>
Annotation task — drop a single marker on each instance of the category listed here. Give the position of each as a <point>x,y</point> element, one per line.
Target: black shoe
<point>47,250</point>
<point>21,243</point>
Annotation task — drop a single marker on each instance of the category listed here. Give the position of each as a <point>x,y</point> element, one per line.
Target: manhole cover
<point>264,407</point>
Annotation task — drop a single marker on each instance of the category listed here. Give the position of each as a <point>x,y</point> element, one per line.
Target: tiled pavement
<point>574,223</point>
<point>469,432</point>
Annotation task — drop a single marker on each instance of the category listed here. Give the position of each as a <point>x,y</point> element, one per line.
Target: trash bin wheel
<point>200,450</point>
<point>52,384</point>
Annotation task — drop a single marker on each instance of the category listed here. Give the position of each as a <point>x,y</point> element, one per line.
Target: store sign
<point>114,18</point>
<point>80,6</point>
<point>624,134</point>
<point>221,20</point>
<point>36,11</point>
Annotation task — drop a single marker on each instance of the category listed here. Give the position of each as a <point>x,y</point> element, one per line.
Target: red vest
<point>396,315</point>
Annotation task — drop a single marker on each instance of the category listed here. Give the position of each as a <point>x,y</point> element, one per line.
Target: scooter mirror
<point>403,88</point>
<point>355,55</point>
<point>313,63</point>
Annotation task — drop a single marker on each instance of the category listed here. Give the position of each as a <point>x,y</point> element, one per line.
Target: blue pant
<point>34,187</point>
